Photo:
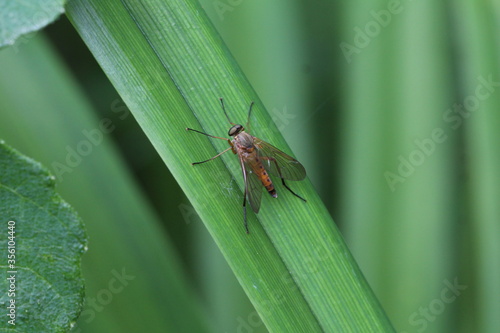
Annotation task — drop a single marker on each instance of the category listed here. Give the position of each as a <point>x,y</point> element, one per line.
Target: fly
<point>258,159</point>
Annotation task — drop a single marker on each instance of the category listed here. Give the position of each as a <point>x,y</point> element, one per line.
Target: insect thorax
<point>244,140</point>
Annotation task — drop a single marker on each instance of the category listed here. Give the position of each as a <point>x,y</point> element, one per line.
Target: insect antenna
<point>247,126</point>
<point>224,109</point>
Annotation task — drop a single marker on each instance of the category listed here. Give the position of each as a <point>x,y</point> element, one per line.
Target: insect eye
<point>235,130</point>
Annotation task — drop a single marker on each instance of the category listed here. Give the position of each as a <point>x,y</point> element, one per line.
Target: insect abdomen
<point>264,178</point>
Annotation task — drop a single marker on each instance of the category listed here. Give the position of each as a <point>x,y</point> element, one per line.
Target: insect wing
<point>253,185</point>
<point>278,163</point>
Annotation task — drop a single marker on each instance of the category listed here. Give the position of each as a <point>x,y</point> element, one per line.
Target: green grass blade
<point>270,58</point>
<point>398,92</point>
<point>170,67</point>
<point>476,25</point>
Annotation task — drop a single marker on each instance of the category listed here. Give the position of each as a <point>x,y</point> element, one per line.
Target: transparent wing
<point>278,163</point>
<point>253,186</point>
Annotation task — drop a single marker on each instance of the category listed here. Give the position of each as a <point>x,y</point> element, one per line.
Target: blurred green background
<point>392,107</point>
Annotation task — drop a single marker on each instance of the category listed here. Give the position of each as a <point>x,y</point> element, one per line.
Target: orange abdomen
<point>259,170</point>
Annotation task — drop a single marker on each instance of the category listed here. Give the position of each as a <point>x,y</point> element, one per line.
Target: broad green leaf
<point>170,67</point>
<point>46,240</point>
<point>130,256</point>
<point>19,18</point>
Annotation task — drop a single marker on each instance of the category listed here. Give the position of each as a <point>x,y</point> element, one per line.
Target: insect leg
<point>245,212</point>
<point>281,176</point>
<point>212,157</point>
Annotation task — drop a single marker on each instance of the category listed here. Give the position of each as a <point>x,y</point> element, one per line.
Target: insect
<point>258,159</point>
